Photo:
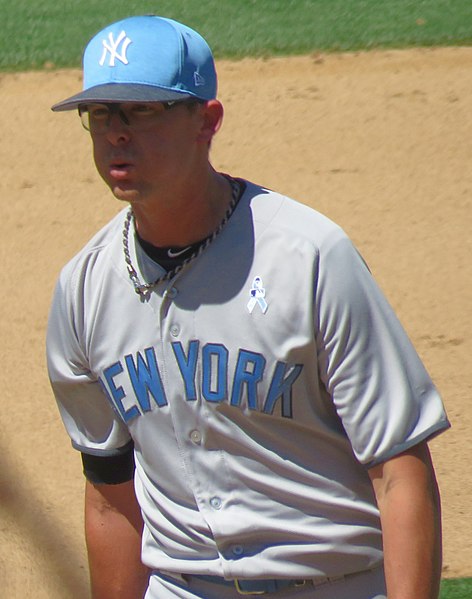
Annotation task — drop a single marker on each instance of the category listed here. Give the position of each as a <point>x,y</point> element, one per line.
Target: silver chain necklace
<point>144,289</point>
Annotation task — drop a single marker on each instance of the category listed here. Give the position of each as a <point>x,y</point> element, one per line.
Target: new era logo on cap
<point>145,59</point>
<point>199,80</point>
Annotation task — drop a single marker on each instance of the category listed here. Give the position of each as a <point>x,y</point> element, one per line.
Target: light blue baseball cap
<point>145,59</point>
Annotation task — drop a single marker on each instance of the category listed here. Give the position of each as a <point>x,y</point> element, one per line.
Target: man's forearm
<point>113,528</point>
<point>411,526</point>
<point>412,546</point>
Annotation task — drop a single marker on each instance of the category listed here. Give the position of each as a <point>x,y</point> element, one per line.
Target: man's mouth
<point>120,170</point>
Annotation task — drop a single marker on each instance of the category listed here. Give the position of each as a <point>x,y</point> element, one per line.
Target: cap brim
<point>120,92</point>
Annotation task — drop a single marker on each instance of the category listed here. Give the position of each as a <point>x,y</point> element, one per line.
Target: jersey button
<point>196,437</point>
<point>237,550</point>
<point>174,330</point>
<point>172,293</point>
<point>216,503</point>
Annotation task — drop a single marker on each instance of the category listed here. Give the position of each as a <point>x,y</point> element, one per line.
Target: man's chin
<point>125,195</point>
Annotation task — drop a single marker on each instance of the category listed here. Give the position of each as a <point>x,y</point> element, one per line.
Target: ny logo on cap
<point>113,46</point>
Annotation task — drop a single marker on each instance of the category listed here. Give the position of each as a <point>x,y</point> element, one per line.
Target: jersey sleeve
<point>381,390</point>
<point>91,422</point>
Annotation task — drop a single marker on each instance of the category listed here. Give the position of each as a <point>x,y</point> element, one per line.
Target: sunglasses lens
<point>139,117</point>
<point>84,117</point>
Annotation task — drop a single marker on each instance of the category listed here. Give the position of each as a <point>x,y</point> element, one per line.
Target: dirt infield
<point>380,142</point>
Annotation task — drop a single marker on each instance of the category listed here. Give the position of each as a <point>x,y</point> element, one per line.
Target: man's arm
<point>408,499</point>
<point>113,529</point>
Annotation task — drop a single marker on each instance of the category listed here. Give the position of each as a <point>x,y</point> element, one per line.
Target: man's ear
<point>212,118</point>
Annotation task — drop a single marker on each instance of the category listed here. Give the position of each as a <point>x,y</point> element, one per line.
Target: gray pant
<point>364,585</point>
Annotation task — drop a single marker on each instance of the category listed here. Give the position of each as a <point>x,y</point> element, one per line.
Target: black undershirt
<point>161,256</point>
<point>109,470</point>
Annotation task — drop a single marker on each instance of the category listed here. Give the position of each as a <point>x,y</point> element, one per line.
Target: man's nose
<point>118,127</point>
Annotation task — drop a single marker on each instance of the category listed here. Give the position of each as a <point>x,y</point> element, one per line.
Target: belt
<point>263,586</point>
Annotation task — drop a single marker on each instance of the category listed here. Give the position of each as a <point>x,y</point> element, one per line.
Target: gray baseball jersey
<point>257,385</point>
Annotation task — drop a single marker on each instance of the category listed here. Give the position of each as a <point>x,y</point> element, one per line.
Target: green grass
<point>460,588</point>
<point>50,32</point>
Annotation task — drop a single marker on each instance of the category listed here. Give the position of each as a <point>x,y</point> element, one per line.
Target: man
<point>228,348</point>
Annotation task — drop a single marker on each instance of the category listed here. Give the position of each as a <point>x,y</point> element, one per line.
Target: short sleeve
<point>89,418</point>
<point>380,388</point>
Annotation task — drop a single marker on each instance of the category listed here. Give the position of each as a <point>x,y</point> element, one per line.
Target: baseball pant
<point>369,584</point>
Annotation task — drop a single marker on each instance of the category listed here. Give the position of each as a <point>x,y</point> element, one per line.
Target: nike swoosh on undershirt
<point>175,254</point>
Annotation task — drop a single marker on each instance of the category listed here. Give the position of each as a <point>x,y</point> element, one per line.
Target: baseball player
<point>252,418</point>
